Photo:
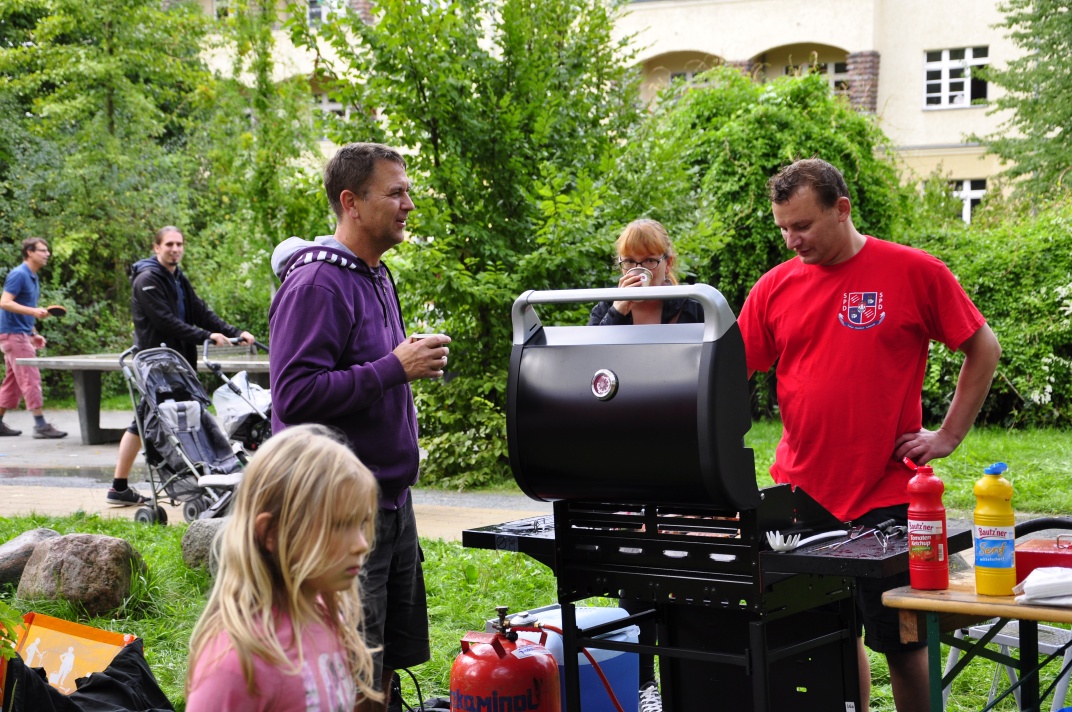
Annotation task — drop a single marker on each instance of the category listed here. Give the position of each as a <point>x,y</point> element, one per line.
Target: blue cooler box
<point>622,669</point>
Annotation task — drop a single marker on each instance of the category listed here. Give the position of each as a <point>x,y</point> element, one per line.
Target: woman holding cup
<point>645,259</point>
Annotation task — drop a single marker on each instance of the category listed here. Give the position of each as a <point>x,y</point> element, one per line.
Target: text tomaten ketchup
<point>928,548</point>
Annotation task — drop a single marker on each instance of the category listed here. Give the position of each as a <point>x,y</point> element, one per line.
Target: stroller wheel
<point>151,515</point>
<point>192,509</point>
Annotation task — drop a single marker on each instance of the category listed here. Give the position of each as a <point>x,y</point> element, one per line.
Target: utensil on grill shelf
<point>883,536</point>
<point>860,532</point>
<point>778,542</point>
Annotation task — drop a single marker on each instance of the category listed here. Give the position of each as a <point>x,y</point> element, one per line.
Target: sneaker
<point>127,498</point>
<point>4,430</point>
<point>48,431</point>
<point>650,699</point>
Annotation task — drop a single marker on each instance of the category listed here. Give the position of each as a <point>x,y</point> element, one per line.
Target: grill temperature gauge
<point>604,384</point>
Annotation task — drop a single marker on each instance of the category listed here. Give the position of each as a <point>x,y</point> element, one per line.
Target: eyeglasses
<point>650,263</point>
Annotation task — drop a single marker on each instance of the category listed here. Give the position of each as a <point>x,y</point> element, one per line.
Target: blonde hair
<point>645,236</point>
<point>311,484</point>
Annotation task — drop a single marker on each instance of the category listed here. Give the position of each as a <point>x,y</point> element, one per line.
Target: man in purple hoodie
<point>340,357</point>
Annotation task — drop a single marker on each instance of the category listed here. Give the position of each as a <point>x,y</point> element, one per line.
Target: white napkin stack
<point>1046,586</point>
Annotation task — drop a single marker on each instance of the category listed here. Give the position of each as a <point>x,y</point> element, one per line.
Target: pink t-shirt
<point>323,683</point>
<point>851,342</point>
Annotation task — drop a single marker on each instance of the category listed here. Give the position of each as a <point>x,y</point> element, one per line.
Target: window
<point>970,193</point>
<point>838,78</point>
<point>221,8</point>
<point>948,80</point>
<point>329,108</point>
<point>321,11</point>
<point>328,105</point>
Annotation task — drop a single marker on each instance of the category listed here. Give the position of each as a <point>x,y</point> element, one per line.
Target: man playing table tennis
<point>19,339</point>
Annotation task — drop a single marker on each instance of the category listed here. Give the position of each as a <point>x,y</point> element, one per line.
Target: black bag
<point>126,685</point>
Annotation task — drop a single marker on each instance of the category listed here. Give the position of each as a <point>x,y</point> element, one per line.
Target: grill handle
<point>718,317</point>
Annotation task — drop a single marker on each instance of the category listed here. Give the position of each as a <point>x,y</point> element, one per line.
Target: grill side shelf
<point>858,559</point>
<point>533,536</point>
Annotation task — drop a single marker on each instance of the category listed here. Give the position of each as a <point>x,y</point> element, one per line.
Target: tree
<point>717,140</point>
<point>1036,140</point>
<point>505,111</point>
<point>257,180</point>
<point>734,134</point>
<point>110,88</point>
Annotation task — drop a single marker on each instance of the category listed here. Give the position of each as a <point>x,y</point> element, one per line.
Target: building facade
<point>909,62</point>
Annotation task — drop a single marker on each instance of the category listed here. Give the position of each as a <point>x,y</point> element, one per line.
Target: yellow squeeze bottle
<point>994,534</point>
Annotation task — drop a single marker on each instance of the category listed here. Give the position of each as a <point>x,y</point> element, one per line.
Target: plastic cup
<point>645,274</point>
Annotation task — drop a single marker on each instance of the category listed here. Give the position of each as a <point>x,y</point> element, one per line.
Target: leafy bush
<point>734,134</point>
<point>730,136</point>
<point>1015,262</point>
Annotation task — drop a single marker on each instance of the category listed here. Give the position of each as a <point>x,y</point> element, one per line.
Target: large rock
<point>93,570</point>
<point>15,553</point>
<point>197,542</point>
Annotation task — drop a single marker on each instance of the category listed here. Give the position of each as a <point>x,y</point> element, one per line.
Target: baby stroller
<point>189,458</point>
<point>244,409</point>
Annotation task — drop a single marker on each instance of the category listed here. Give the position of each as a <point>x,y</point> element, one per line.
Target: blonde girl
<point>280,631</point>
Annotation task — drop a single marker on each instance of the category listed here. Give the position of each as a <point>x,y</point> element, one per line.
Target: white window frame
<point>323,11</point>
<point>326,105</point>
<point>838,78</point>
<point>968,195</point>
<point>947,77</point>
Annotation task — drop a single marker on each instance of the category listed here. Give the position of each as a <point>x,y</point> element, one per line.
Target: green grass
<point>1040,464</point>
<point>465,585</point>
<point>163,606</point>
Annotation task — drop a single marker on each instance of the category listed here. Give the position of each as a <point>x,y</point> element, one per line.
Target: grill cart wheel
<point>192,509</point>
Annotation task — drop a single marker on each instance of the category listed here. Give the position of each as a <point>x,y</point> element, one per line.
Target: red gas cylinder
<point>496,674</point>
<point>928,548</point>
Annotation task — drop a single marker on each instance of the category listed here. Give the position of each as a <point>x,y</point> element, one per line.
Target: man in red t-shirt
<point>849,322</point>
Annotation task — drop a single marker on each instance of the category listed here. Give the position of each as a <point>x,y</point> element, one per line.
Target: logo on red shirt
<point>861,310</point>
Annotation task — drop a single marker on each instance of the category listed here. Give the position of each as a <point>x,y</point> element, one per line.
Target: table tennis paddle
<point>56,310</point>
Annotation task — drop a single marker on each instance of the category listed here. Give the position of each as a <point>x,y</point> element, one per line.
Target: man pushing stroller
<point>166,311</point>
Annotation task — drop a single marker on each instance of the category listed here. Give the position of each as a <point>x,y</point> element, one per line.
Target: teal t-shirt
<point>21,282</point>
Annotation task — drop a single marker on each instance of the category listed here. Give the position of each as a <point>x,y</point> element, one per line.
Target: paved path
<point>59,477</point>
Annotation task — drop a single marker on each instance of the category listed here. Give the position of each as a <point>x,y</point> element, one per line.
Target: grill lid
<point>648,413</point>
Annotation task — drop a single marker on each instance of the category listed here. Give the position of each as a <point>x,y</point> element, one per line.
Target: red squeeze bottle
<point>928,549</point>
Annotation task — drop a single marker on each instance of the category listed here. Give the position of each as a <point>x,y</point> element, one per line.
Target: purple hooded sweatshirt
<point>334,323</point>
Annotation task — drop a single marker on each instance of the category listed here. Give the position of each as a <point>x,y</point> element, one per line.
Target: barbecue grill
<point>636,433</point>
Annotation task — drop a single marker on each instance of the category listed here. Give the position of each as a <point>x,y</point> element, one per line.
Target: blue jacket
<point>334,323</point>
